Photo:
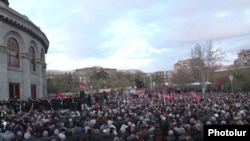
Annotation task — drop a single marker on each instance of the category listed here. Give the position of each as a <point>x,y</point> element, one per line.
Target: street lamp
<point>150,82</point>
<point>231,77</point>
<point>154,86</point>
<point>166,85</point>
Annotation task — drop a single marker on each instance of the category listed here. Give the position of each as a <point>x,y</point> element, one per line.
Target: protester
<point>177,118</point>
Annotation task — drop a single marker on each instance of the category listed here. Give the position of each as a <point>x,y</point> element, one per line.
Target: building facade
<point>243,58</point>
<point>186,64</point>
<point>84,73</point>
<point>22,56</point>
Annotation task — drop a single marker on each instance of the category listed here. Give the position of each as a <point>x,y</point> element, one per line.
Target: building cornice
<point>3,49</point>
<point>26,55</point>
<point>22,22</point>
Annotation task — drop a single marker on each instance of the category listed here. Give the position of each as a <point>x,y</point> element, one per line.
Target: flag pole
<point>164,101</point>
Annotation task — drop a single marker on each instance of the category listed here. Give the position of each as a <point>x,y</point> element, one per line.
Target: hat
<point>112,126</point>
<point>123,127</point>
<point>182,130</point>
<point>176,129</point>
<point>187,125</point>
<point>131,137</point>
<point>63,129</point>
<point>56,131</point>
<point>213,118</point>
<point>110,122</point>
<point>96,131</point>
<point>106,130</point>
<point>27,135</point>
<point>163,118</point>
<point>45,133</point>
<point>223,122</point>
<point>61,136</point>
<point>129,123</point>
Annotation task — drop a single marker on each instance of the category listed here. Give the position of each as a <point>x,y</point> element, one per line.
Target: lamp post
<point>154,86</point>
<point>150,81</point>
<point>164,92</point>
<point>231,77</point>
<point>91,88</point>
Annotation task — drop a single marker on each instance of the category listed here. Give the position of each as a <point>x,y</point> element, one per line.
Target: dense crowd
<point>107,119</point>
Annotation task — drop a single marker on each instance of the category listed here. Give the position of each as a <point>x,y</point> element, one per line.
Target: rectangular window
<point>14,90</point>
<point>33,91</point>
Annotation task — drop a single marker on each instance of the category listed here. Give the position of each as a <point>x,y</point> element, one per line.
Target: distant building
<point>84,73</point>
<point>162,76</point>
<point>185,64</point>
<point>129,71</point>
<point>22,56</point>
<point>243,58</point>
<point>51,74</point>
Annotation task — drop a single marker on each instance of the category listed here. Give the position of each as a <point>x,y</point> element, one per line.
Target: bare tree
<point>206,59</point>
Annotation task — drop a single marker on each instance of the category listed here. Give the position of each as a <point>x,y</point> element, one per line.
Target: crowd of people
<point>107,119</point>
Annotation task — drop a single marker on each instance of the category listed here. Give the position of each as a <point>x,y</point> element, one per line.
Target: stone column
<point>40,91</point>
<point>44,67</point>
<point>4,86</point>
<point>26,86</point>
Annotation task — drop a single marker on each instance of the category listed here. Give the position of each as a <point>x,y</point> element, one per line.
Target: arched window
<point>33,59</point>
<point>13,52</point>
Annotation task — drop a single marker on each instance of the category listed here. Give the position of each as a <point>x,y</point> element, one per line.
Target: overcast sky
<point>149,35</point>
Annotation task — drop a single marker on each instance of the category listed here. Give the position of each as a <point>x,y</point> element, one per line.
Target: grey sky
<point>149,35</point>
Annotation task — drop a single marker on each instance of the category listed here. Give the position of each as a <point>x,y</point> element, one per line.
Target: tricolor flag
<point>84,85</point>
<point>140,92</point>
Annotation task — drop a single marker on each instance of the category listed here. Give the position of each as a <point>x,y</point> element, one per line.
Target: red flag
<point>84,85</point>
<point>63,95</point>
<point>130,96</point>
<point>166,95</point>
<point>196,97</point>
<point>140,92</point>
<point>175,96</point>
